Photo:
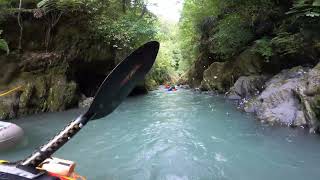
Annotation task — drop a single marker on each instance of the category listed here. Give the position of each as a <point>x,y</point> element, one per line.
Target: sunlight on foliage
<point>168,59</point>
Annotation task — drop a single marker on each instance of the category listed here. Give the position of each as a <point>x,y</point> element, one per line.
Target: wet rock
<point>213,77</point>
<point>309,96</point>
<point>300,119</point>
<point>247,87</point>
<point>247,63</point>
<point>44,87</point>
<point>184,86</point>
<point>86,102</point>
<point>195,75</point>
<point>220,76</point>
<point>9,106</point>
<point>26,98</point>
<point>280,102</point>
<point>62,95</point>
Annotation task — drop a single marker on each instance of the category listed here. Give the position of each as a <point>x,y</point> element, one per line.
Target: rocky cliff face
<point>44,83</point>
<point>220,76</point>
<point>58,78</point>
<point>290,97</point>
<point>276,95</point>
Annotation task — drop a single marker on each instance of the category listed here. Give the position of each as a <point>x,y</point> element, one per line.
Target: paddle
<point>114,89</point>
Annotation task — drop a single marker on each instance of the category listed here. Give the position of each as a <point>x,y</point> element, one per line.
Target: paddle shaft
<point>56,143</point>
<point>113,90</point>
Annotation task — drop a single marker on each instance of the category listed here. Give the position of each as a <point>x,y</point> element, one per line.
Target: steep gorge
<point>248,49</point>
<point>55,77</point>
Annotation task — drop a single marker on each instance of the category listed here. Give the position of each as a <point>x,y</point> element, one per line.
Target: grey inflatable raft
<point>10,135</point>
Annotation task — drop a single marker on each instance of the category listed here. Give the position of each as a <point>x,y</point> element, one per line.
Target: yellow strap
<point>10,91</point>
<point>3,161</point>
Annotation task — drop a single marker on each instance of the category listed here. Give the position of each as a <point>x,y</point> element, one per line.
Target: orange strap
<point>74,176</point>
<point>77,176</point>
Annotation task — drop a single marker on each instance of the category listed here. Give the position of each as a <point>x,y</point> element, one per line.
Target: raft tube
<point>10,135</point>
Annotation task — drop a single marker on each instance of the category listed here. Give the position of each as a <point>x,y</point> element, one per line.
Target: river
<point>177,135</point>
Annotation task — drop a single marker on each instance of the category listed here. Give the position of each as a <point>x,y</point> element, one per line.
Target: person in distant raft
<point>172,88</point>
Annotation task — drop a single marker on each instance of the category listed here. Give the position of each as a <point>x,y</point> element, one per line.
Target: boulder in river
<point>220,76</point>
<point>213,77</point>
<point>196,73</point>
<point>247,87</point>
<point>290,97</point>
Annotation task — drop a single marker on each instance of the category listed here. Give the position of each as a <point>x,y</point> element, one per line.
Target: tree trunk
<point>21,27</point>
<point>48,37</point>
<point>144,10</point>
<point>124,6</point>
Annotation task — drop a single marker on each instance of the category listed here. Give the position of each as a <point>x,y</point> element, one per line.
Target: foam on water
<point>181,135</point>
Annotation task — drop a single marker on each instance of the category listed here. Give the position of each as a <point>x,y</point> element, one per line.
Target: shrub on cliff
<point>222,29</point>
<point>3,45</point>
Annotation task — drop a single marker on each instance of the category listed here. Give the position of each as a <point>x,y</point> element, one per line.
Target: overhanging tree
<point>51,11</point>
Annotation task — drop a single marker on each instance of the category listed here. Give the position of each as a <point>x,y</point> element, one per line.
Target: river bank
<point>289,98</point>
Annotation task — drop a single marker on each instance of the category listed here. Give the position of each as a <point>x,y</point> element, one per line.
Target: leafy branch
<point>3,44</point>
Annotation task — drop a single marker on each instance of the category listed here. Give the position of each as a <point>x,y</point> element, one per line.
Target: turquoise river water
<point>182,135</point>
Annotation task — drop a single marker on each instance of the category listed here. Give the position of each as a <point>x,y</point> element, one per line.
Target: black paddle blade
<point>121,81</point>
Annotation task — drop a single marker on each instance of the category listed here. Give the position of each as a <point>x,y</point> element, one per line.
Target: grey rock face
<point>212,77</point>
<point>288,98</point>
<point>86,102</point>
<point>247,87</point>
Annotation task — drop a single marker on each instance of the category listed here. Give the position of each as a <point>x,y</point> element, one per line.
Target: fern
<point>288,44</point>
<point>303,8</point>
<point>264,48</point>
<point>48,6</point>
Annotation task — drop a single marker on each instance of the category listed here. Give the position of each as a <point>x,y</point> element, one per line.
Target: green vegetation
<point>122,24</point>
<point>81,27</point>
<point>3,45</point>
<point>167,64</point>
<point>222,29</point>
<point>209,30</point>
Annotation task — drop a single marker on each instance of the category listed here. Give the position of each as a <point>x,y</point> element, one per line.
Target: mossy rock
<point>315,105</point>
<point>4,111</point>
<point>62,95</point>
<point>41,87</point>
<point>214,77</point>
<point>26,96</point>
<point>195,75</point>
<point>248,63</point>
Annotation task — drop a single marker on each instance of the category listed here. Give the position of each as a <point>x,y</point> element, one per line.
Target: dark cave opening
<point>88,82</point>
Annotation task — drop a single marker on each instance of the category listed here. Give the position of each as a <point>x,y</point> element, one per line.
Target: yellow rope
<point>3,161</point>
<point>10,91</point>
